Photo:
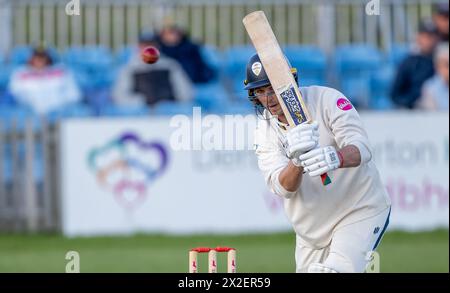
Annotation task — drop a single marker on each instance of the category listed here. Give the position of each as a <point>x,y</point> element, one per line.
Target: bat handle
<point>324,177</point>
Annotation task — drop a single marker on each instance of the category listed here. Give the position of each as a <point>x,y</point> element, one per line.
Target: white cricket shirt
<point>315,210</point>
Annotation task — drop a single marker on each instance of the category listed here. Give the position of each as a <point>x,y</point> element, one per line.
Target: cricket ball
<point>150,55</point>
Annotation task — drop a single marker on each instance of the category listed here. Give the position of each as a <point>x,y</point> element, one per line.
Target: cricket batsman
<point>337,226</point>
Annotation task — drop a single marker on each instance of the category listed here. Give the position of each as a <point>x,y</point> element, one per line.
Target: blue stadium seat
<point>103,78</point>
<point>355,65</point>
<point>173,108</point>
<point>5,74</point>
<point>98,57</point>
<point>237,56</point>
<point>73,57</point>
<point>125,111</point>
<point>6,99</point>
<point>91,80</point>
<point>239,107</point>
<point>94,66</point>
<point>82,78</point>
<point>236,59</point>
<point>380,87</point>
<point>56,58</point>
<point>124,54</point>
<point>76,110</point>
<point>213,58</point>
<point>95,56</point>
<point>20,55</point>
<point>240,95</point>
<point>356,89</point>
<point>310,62</point>
<point>98,100</point>
<point>211,97</point>
<point>358,58</point>
<point>399,52</point>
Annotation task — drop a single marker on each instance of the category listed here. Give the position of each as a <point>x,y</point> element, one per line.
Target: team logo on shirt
<point>256,68</point>
<point>344,104</point>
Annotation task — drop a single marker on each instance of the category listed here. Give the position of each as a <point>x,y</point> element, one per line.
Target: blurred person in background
<point>416,68</point>
<point>43,86</point>
<point>139,83</point>
<point>440,18</point>
<point>175,43</point>
<point>435,90</point>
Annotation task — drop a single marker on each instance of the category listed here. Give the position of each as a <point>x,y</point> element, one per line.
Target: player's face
<point>38,62</point>
<point>426,42</point>
<point>266,96</point>
<point>441,22</point>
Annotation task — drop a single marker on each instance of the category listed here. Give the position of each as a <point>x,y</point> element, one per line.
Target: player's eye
<point>270,93</point>
<point>263,94</point>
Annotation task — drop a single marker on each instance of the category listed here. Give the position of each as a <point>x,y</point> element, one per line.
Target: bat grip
<point>324,177</point>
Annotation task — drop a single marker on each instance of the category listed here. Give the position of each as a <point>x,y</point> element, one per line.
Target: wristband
<point>341,159</point>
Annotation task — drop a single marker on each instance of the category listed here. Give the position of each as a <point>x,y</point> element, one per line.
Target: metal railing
<point>115,23</point>
<point>28,203</point>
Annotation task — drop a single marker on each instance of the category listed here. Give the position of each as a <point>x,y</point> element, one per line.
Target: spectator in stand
<point>435,90</point>
<point>43,86</point>
<point>416,68</point>
<point>147,84</point>
<point>175,43</point>
<point>440,18</point>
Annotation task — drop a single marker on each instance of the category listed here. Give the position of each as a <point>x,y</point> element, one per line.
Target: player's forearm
<point>290,177</point>
<point>351,157</point>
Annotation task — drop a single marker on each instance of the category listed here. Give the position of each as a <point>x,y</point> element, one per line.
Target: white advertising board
<point>122,176</point>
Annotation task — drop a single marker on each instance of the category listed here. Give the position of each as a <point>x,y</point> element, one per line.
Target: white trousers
<point>349,247</point>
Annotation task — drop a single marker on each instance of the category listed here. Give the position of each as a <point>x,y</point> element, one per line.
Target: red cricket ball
<point>150,55</point>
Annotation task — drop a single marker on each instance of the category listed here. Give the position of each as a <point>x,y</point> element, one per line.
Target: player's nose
<point>272,99</point>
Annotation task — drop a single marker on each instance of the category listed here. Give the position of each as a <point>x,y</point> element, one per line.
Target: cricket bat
<point>278,71</point>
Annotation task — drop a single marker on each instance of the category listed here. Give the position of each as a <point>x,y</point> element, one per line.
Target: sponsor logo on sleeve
<point>344,104</point>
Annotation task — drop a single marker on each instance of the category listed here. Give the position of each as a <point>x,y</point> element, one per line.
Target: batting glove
<point>301,139</point>
<point>320,161</point>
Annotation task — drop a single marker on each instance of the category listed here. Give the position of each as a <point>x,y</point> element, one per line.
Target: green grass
<point>399,252</point>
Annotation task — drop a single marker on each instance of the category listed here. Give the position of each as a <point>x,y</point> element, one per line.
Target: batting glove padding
<point>301,139</point>
<point>320,161</point>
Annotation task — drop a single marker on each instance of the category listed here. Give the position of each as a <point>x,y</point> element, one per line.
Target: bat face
<point>293,105</point>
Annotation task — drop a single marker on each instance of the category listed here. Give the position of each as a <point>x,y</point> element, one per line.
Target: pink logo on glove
<point>344,104</point>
